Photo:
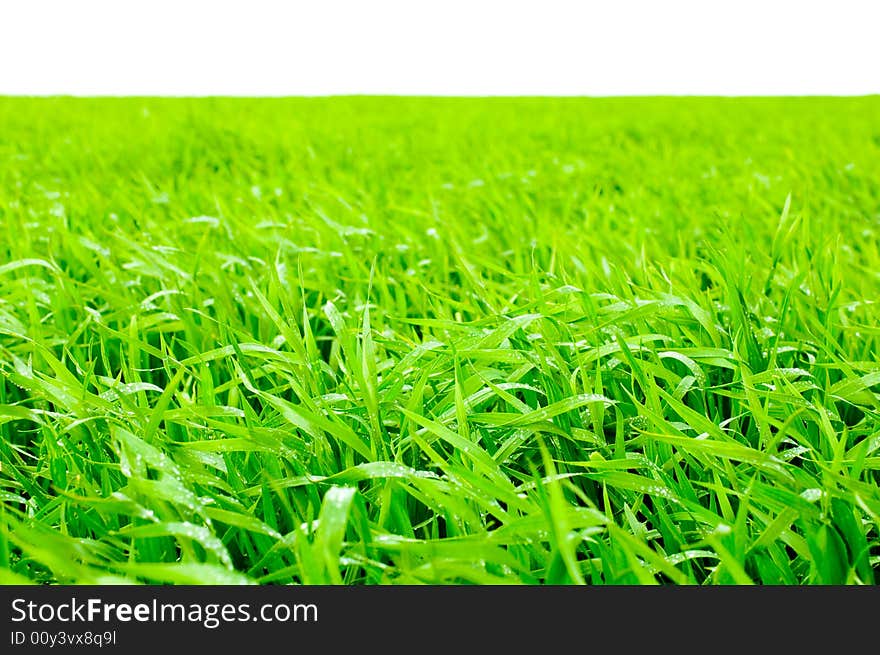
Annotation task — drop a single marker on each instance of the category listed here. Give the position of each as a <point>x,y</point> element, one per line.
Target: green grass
<point>440,341</point>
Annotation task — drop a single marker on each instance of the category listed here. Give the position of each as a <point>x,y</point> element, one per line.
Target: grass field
<point>367,340</point>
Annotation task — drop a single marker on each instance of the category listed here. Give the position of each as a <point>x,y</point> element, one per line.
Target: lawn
<point>379,340</point>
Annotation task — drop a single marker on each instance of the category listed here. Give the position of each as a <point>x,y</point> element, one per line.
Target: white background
<point>439,47</point>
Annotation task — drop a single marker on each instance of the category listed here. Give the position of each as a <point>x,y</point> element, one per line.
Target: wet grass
<point>439,341</point>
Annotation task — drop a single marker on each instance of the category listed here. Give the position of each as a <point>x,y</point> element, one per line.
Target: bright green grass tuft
<point>440,341</point>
